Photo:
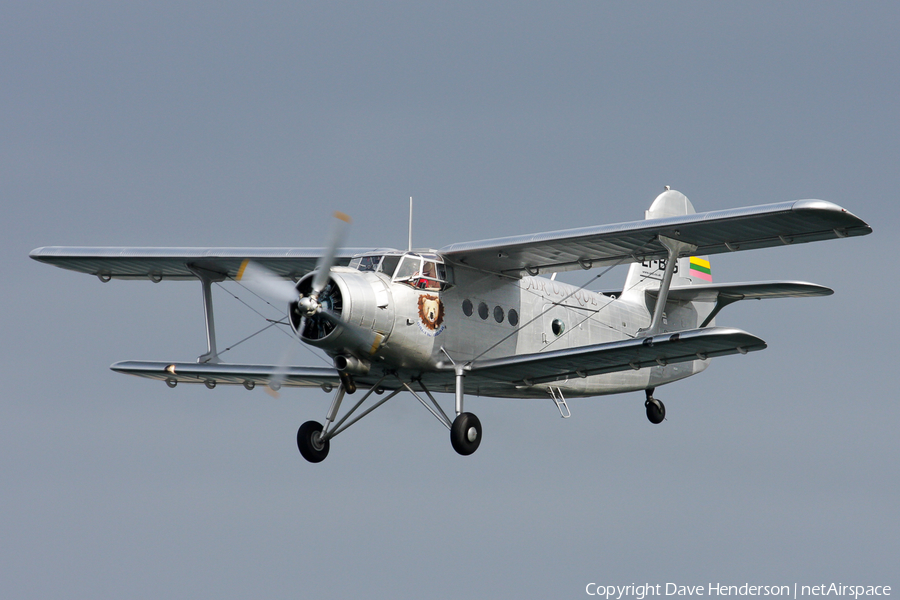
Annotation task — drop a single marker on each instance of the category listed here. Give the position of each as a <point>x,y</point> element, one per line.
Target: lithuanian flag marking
<point>700,268</point>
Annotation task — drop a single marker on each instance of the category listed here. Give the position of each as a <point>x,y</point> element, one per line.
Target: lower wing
<point>496,374</point>
<point>598,359</point>
<point>228,374</point>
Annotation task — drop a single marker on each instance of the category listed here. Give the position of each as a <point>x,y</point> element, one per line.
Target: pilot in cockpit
<point>428,279</point>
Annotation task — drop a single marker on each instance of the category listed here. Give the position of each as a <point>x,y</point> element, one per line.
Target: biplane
<point>483,318</point>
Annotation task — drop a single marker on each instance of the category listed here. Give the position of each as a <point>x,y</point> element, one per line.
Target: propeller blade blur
<point>266,283</point>
<point>335,239</point>
<point>279,371</point>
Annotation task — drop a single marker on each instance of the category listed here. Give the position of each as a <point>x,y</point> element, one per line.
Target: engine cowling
<point>355,316</point>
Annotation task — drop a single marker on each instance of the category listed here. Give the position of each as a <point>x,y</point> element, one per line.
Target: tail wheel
<point>656,410</point>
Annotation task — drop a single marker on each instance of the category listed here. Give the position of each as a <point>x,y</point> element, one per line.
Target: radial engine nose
<point>314,316</point>
<point>350,315</point>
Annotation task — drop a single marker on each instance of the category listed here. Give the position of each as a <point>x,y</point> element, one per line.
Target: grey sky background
<point>221,124</point>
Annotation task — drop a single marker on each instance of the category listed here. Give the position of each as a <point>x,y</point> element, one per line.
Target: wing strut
<point>675,248</point>
<point>721,302</point>
<point>207,278</point>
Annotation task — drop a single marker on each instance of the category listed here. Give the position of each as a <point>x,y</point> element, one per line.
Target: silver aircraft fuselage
<point>483,316</point>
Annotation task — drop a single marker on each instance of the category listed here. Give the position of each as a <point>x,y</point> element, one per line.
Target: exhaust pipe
<point>351,365</point>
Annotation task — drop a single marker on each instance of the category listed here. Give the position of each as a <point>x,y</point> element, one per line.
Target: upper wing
<point>667,348</point>
<point>181,263</point>
<point>712,232</point>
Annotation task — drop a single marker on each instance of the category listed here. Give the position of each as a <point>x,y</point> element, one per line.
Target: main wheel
<point>465,434</point>
<point>656,410</point>
<point>311,446</point>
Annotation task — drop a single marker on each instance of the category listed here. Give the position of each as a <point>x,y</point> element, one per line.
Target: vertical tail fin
<point>691,269</point>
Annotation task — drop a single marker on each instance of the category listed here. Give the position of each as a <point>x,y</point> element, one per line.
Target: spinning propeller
<point>317,307</point>
<point>266,283</point>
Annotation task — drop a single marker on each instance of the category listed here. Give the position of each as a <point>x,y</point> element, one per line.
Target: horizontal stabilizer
<point>756,290</point>
<point>597,359</point>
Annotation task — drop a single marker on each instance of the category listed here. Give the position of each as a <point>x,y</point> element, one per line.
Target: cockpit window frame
<point>431,274</point>
<point>407,269</point>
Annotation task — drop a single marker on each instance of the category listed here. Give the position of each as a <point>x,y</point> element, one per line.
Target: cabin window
<point>558,327</point>
<point>483,310</point>
<point>513,317</point>
<point>467,307</point>
<point>498,314</point>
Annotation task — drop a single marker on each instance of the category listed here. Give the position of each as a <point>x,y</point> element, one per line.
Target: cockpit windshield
<point>376,263</point>
<point>365,263</point>
<point>389,264</point>
<point>421,271</point>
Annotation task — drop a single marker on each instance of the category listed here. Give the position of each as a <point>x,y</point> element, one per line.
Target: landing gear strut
<point>656,410</point>
<point>465,430</point>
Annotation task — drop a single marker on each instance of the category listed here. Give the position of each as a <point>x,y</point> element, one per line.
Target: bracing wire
<point>271,322</point>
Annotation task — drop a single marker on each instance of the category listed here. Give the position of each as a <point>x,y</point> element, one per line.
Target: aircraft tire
<point>308,443</point>
<point>656,410</point>
<point>465,434</point>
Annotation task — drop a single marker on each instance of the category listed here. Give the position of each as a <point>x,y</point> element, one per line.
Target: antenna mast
<point>409,249</point>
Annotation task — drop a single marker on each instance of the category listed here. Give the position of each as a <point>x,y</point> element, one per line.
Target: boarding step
<point>560,402</point>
